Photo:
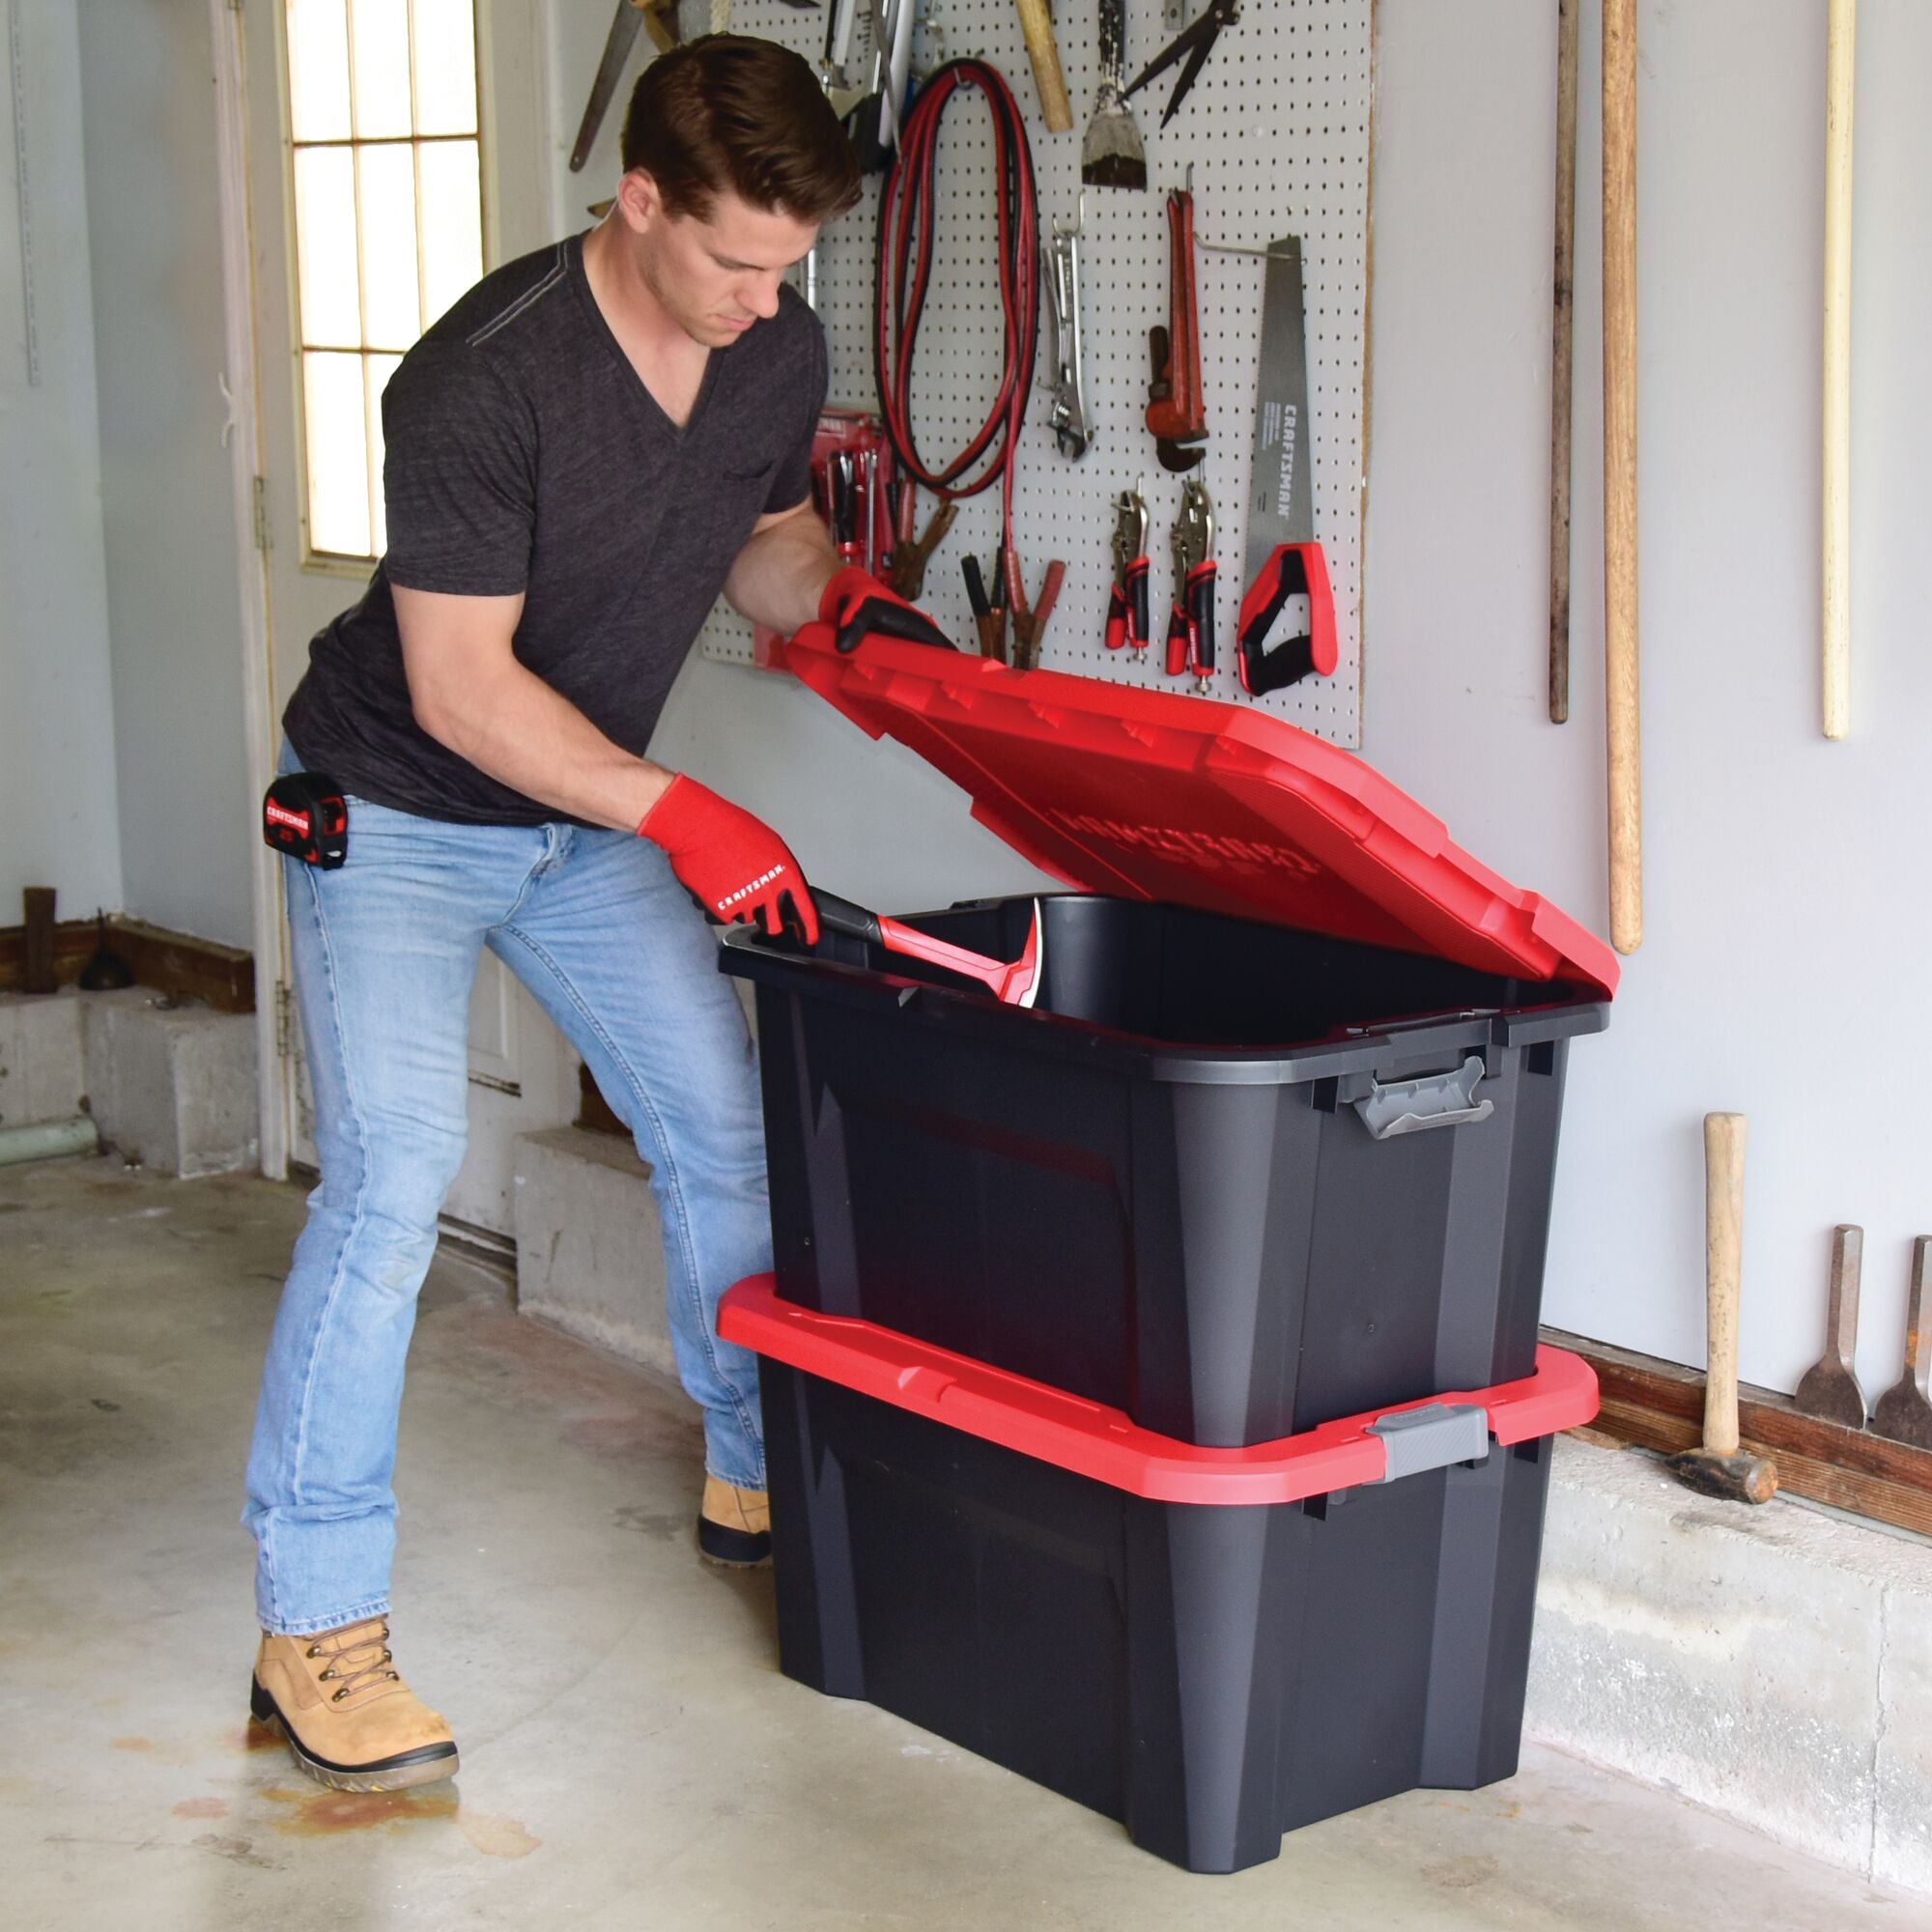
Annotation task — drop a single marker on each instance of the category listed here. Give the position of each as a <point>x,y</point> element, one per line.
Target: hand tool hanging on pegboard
<point>842,486</point>
<point>908,205</point>
<point>1112,154</point>
<point>659,18</point>
<point>1191,626</point>
<point>1072,426</point>
<point>1194,45</point>
<point>1128,616</point>
<point>876,125</point>
<point>989,617</point>
<point>661,21</point>
<point>1283,560</point>
<point>911,555</point>
<point>1176,412</point>
<point>1044,52</point>
<point>1030,619</point>
<point>844,99</point>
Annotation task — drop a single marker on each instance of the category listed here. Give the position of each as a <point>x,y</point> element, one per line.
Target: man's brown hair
<point>731,112</point>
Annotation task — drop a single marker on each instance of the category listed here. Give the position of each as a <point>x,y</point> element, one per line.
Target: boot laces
<point>359,1665</point>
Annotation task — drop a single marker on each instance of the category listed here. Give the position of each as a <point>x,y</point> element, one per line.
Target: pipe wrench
<point>1176,412</point>
<point>1060,270</point>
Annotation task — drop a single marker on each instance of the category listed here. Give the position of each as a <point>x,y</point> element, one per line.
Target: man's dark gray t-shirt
<point>523,453</point>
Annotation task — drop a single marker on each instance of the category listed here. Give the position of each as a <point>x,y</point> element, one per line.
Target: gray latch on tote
<point>1436,1100</point>
<point>1431,1438</point>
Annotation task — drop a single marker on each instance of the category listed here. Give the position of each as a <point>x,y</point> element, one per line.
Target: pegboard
<point>1277,132</point>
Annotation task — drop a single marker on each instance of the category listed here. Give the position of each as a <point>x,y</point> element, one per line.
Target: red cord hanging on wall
<point>907,210</point>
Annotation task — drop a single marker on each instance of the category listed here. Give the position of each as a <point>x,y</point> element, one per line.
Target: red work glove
<point>858,606</point>
<point>735,865</point>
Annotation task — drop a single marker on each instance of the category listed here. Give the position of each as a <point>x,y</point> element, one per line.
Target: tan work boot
<point>734,1527</point>
<point>349,1719</point>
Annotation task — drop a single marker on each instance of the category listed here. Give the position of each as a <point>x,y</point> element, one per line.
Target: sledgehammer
<point>1721,1467</point>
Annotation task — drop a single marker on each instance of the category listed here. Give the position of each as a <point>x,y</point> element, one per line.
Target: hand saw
<point>1282,558</point>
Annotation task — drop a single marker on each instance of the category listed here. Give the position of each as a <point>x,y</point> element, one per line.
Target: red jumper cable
<point>907,206</point>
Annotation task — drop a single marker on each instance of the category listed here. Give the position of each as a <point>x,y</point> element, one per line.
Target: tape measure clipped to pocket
<point>304,816</point>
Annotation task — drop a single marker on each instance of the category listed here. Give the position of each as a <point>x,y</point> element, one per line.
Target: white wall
<point>1785,878</point>
<point>154,228</point>
<point>57,780</point>
<point>1786,900</point>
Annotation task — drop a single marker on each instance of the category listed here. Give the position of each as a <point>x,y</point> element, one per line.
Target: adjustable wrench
<point>1176,412</point>
<point>1190,628</point>
<point>1128,616</point>
<point>1060,269</point>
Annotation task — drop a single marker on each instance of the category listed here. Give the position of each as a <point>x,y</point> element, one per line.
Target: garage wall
<point>1785,878</point>
<point>1786,898</point>
<point>57,823</point>
<point>154,232</point>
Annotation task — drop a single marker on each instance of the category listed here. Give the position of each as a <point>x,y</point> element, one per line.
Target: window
<point>388,217</point>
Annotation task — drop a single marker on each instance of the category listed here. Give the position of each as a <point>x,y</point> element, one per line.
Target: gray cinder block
<point>42,1074</point>
<point>172,1087</point>
<point>589,1259</point>
<point>1769,1662</point>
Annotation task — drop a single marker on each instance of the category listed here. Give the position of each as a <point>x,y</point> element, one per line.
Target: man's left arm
<point>789,574</point>
<point>779,578</point>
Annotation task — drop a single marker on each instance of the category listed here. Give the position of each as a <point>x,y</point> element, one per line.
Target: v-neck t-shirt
<point>522,452</point>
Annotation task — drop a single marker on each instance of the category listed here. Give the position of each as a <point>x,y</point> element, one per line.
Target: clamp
<point>1190,629</point>
<point>1128,620</point>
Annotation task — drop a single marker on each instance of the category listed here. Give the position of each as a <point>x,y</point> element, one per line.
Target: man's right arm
<point>470,694</point>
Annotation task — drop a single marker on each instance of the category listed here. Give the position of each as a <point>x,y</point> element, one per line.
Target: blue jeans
<point>385,950</point>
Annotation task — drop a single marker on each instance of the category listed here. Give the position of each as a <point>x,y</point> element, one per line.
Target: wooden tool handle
<point>1043,50</point>
<point>1841,40</point>
<point>1723,1256</point>
<point>1620,609</point>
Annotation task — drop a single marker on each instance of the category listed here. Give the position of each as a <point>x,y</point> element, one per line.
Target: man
<point>589,447</point>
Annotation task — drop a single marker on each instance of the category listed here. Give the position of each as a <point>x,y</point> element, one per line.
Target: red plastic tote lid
<point>1153,795</point>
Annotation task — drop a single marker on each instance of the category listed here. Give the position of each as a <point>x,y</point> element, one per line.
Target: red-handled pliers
<point>1128,619</point>
<point>1190,628</point>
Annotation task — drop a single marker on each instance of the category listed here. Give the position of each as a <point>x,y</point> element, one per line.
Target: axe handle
<point>1043,50</point>
<point>1840,53</point>
<point>1620,578</point>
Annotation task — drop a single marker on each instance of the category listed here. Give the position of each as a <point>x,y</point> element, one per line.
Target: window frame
<point>357,567</point>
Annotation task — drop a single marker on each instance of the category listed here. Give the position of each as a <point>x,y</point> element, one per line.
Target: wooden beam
<point>1660,1406</point>
<point>174,964</point>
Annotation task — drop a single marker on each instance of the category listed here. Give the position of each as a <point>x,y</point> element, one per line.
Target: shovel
<point>1112,156</point>
<point>1017,984</point>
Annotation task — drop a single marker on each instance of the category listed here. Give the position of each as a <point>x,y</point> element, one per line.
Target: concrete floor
<point>632,1757</point>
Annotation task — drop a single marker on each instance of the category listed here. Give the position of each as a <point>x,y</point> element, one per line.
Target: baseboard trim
<point>176,964</point>
<point>1658,1404</point>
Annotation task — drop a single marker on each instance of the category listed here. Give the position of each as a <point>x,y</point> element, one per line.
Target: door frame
<point>506,205</point>
<point>260,710</point>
